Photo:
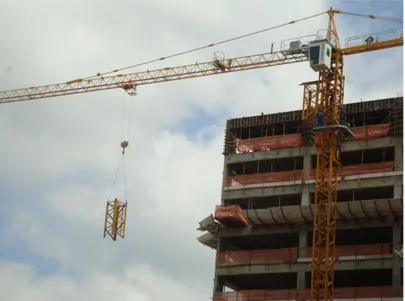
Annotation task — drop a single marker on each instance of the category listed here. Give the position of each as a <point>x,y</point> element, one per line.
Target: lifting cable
<point>124,144</point>
<point>208,46</point>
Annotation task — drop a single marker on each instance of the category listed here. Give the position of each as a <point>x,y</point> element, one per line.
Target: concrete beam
<point>366,264</point>
<point>272,190</point>
<point>299,152</point>
<point>370,144</point>
<point>291,228</point>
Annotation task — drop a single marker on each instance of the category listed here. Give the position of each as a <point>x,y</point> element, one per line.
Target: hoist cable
<point>129,119</point>
<point>122,157</point>
<point>125,177</point>
<point>123,116</point>
<point>115,178</point>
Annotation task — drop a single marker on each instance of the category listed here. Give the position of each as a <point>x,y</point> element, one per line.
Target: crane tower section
<point>330,129</point>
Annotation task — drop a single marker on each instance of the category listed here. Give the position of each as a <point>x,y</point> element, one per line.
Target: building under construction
<point>262,230</point>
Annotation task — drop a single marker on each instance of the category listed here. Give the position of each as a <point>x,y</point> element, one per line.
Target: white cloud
<point>20,282</point>
<point>58,156</point>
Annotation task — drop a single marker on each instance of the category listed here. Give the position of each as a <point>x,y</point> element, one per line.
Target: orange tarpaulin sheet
<point>268,177</point>
<point>304,294</point>
<point>370,131</point>
<point>361,169</point>
<point>269,143</point>
<point>233,214</point>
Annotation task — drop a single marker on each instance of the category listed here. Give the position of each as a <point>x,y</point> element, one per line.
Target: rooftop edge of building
<point>350,108</point>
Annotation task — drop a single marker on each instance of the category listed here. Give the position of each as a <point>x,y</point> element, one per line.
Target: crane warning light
<point>320,55</point>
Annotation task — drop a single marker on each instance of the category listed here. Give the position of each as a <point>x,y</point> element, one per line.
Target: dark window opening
<point>266,202</point>
<point>265,166</point>
<point>373,193</point>
<point>276,281</point>
<point>364,236</point>
<point>369,118</point>
<point>274,129</point>
<point>314,54</point>
<point>375,155</point>
<point>358,278</point>
<point>262,242</point>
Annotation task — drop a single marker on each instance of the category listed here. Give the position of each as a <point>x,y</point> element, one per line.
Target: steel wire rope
<point>115,178</point>
<point>208,46</point>
<point>127,140</point>
<point>122,157</point>
<point>374,17</point>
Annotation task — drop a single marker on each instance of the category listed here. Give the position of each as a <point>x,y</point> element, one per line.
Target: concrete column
<point>398,157</point>
<point>301,280</point>
<point>302,240</point>
<point>218,283</point>
<point>307,163</point>
<point>396,270</point>
<point>302,228</point>
<point>397,191</point>
<point>305,196</point>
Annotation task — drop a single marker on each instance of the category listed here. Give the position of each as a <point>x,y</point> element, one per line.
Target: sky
<point>58,156</point>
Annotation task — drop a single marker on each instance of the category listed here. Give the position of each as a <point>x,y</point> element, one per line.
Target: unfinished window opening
<point>375,155</point>
<point>265,166</point>
<point>364,194</point>
<point>266,202</point>
<point>244,203</point>
<point>276,281</point>
<point>273,129</point>
<point>365,236</point>
<point>358,278</point>
<point>264,242</point>
<point>369,118</point>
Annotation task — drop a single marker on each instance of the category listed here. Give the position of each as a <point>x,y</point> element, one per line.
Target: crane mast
<point>328,138</point>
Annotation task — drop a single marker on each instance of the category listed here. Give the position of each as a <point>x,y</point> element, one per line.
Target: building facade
<point>262,230</point>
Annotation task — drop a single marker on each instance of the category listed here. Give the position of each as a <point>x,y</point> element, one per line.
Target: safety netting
<point>305,294</point>
<point>230,216</point>
<point>370,131</point>
<point>360,169</point>
<point>268,143</point>
<point>268,177</point>
<point>290,255</point>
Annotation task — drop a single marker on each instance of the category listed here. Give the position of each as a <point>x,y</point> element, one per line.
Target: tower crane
<point>325,56</point>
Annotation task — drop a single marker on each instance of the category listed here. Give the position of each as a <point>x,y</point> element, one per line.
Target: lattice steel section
<point>115,219</point>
